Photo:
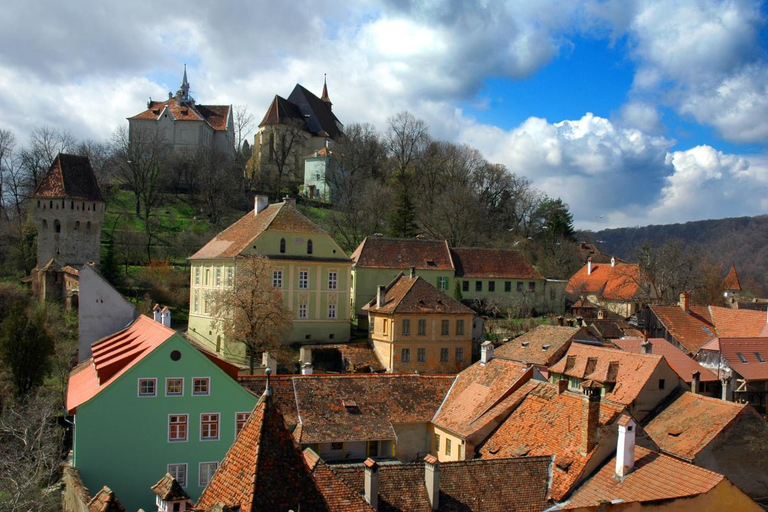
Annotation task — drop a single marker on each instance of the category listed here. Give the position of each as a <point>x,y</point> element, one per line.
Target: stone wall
<point>75,497</point>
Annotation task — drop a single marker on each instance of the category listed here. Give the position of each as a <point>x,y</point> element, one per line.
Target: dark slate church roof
<point>71,177</point>
<point>306,111</point>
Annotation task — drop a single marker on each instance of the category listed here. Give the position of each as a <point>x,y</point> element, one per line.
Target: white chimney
<point>381,297</point>
<point>613,261</point>
<point>646,347</point>
<point>432,480</point>
<point>268,361</point>
<point>165,316</point>
<point>625,447</point>
<point>260,203</point>
<point>486,352</point>
<point>372,483</point>
<point>156,314</point>
<point>589,266</point>
<point>306,369</point>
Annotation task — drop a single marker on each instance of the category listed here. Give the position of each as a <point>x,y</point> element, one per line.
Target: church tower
<point>182,95</point>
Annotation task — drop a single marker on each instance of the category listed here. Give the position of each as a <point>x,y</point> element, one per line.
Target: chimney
<point>589,266</point>
<point>625,447</point>
<point>562,385</point>
<point>156,313</point>
<point>613,261</point>
<point>486,352</point>
<point>413,272</point>
<point>580,322</point>
<point>260,202</point>
<point>381,296</point>
<point>695,376</point>
<point>727,394</point>
<point>569,322</point>
<point>306,369</point>
<point>601,314</point>
<point>560,320</point>
<point>165,316</point>
<point>590,415</point>
<point>432,480</point>
<point>372,483</point>
<point>289,201</point>
<point>646,347</point>
<point>685,301</point>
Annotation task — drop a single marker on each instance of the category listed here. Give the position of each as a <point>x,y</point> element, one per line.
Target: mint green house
<point>310,269</point>
<point>149,403</point>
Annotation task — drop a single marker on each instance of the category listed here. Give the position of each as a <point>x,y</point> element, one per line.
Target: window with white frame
<point>197,275</point>
<point>209,426</point>
<point>147,387</point>
<point>240,419</point>
<point>230,276</point>
<point>333,280</point>
<point>174,386</point>
<point>302,311</point>
<point>331,310</point>
<point>177,427</point>
<point>207,469</point>
<point>179,472</point>
<point>218,277</point>
<point>303,279</point>
<point>201,386</point>
<point>277,278</point>
<point>442,283</point>
<point>197,302</point>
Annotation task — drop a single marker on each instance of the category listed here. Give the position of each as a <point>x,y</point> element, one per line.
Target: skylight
<point>741,357</point>
<point>759,357</point>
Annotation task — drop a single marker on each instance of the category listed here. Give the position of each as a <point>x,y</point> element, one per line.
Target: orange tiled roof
<point>264,469</point>
<point>530,347</point>
<point>548,423</point>
<point>734,349</point>
<point>215,116</point>
<point>415,295</point>
<point>493,264</point>
<point>403,253</point>
<point>691,329</point>
<point>237,237</point>
<point>105,501</point>
<point>338,495</point>
<point>731,281</point>
<point>113,356</point>
<point>501,485</point>
<point>690,422</point>
<point>70,177</point>
<point>357,355</point>
<point>628,372</point>
<point>478,396</point>
<point>655,477</point>
<point>620,282</point>
<point>737,323</point>
<point>681,363</point>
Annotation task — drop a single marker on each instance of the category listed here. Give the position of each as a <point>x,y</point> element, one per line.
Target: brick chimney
<point>372,483</point>
<point>432,480</point>
<point>695,377</point>
<point>486,352</point>
<point>590,415</point>
<point>646,347</point>
<point>589,266</point>
<point>381,296</point>
<point>625,447</point>
<point>259,203</point>
<point>685,302</point>
<point>562,385</point>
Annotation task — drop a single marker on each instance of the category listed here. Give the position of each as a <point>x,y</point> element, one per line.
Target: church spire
<point>325,96</point>
<point>183,92</point>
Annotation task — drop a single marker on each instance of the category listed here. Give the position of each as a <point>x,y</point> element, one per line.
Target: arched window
<point>309,246</point>
<point>57,226</point>
<point>282,245</point>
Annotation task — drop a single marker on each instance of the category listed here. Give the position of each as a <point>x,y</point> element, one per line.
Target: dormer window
<point>282,246</point>
<point>309,246</point>
<point>741,357</point>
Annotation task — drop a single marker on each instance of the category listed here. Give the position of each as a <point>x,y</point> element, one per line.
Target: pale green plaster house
<point>312,272</point>
<point>321,170</point>
<point>149,402</point>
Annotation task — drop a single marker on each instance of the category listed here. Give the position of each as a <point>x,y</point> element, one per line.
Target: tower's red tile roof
<point>548,423</point>
<point>691,329</point>
<point>70,177</point>
<point>655,477</point>
<point>683,365</point>
<point>627,372</point>
<point>479,396</point>
<point>403,253</point>
<point>493,264</point>
<point>215,116</point>
<point>688,423</point>
<point>620,282</point>
<point>731,281</point>
<point>416,296</point>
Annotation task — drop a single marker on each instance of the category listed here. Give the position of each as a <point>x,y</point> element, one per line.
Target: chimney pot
<point>589,266</point>
<point>486,352</point>
<point>590,415</point>
<point>625,447</point>
<point>372,483</point>
<point>381,296</point>
<point>432,480</point>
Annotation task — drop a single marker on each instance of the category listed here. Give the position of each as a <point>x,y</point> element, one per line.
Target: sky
<point>632,112</point>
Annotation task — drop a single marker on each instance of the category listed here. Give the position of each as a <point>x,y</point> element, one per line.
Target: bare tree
<point>251,310</point>
<point>100,156</point>
<point>244,122</point>
<point>672,268</point>
<point>44,144</point>
<point>285,143</point>
<point>219,180</point>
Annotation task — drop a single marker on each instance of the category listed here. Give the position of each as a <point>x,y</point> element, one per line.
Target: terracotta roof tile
<point>70,177</point>
<point>530,347</point>
<point>493,264</point>
<point>512,484</point>
<point>282,111</point>
<point>338,495</point>
<point>627,371</point>
<point>688,423</point>
<point>681,363</point>
<point>731,281</point>
<point>357,357</point>
<point>105,501</point>
<point>548,423</point>
<point>478,396</point>
<point>282,393</point>
<point>215,116</point>
<point>403,253</point>
<point>654,477</point>
<point>751,368</point>
<point>737,323</point>
<point>620,282</point>
<point>415,295</point>
<point>168,488</point>
<point>691,329</point>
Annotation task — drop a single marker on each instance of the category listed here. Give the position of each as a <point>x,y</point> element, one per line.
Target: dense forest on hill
<point>742,241</point>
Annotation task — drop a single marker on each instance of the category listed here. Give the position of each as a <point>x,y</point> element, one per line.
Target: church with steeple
<point>184,124</point>
<point>292,130</point>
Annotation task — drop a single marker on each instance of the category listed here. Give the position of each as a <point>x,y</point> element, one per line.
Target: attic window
<point>431,263</point>
<point>350,406</point>
<point>759,357</point>
<point>156,111</point>
<point>545,348</point>
<point>741,357</point>
<point>674,433</point>
<point>184,111</point>
<point>525,343</point>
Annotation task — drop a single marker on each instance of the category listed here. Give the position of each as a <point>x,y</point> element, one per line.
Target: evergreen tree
<point>402,224</point>
<point>457,292</point>
<point>110,270</point>
<point>26,347</point>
